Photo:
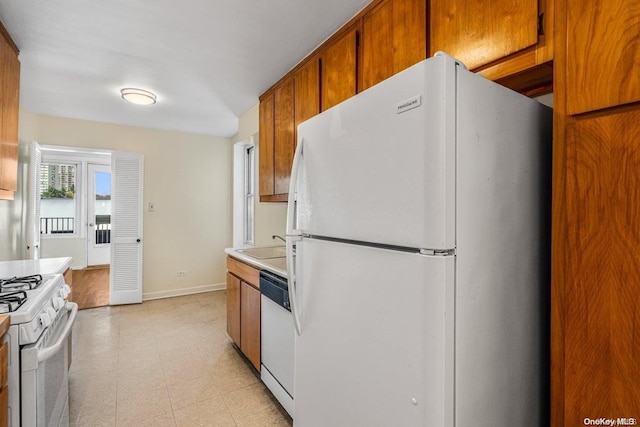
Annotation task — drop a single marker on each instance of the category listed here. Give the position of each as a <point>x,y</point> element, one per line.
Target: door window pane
<point>102,207</point>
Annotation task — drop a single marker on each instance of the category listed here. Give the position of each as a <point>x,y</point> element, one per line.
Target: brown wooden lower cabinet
<point>4,360</point>
<point>250,323</point>
<point>243,308</point>
<point>233,307</point>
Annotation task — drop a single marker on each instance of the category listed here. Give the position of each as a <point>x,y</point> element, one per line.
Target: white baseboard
<point>185,291</point>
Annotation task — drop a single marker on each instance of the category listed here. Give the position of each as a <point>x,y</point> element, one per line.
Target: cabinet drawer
<point>244,272</point>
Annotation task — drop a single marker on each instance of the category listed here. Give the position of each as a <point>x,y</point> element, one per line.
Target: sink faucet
<point>275,236</point>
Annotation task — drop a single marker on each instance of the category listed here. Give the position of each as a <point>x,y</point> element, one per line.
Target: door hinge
<point>541,24</point>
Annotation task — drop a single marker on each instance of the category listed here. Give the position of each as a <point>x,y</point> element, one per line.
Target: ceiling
<point>206,60</point>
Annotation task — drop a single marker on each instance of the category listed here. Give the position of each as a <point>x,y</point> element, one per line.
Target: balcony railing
<point>103,229</point>
<point>57,225</point>
<point>65,225</point>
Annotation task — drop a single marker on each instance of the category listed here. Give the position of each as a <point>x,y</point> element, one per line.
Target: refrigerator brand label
<point>409,104</point>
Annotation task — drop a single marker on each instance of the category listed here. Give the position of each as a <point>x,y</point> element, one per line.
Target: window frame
<point>248,214</point>
<point>49,158</point>
<point>245,163</point>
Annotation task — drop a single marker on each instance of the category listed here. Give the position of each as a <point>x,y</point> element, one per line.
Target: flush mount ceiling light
<point>138,96</point>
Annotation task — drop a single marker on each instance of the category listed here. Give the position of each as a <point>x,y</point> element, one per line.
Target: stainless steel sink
<point>264,253</point>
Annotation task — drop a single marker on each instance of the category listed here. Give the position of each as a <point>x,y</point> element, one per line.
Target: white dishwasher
<point>277,339</point>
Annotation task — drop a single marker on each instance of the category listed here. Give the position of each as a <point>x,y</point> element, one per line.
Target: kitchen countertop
<point>27,267</point>
<point>275,265</point>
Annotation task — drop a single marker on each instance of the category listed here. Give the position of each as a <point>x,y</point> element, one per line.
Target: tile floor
<point>164,363</point>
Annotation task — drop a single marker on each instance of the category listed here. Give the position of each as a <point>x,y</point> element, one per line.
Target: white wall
<point>187,177</point>
<point>270,218</point>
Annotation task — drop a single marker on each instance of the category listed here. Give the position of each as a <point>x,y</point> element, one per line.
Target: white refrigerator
<point>418,243</point>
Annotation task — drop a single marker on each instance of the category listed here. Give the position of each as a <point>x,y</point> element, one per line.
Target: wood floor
<point>91,287</point>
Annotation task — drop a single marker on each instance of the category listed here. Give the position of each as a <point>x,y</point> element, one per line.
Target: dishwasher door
<point>277,339</point>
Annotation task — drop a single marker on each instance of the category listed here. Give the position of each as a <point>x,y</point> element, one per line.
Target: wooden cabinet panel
<point>266,144</point>
<point>250,323</point>
<point>394,37</point>
<point>4,361</point>
<point>243,308</point>
<point>339,69</point>
<point>9,104</point>
<point>479,32</point>
<point>601,289</point>
<point>233,308</point>
<point>4,403</point>
<point>244,271</point>
<point>603,59</point>
<point>294,100</point>
<point>284,140</point>
<point>5,322</point>
<point>307,92</point>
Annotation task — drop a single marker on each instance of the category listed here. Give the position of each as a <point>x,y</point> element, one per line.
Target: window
<point>244,185</point>
<point>249,185</point>
<point>58,202</point>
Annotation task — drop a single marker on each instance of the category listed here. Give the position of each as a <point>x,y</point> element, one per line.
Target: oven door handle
<point>47,352</point>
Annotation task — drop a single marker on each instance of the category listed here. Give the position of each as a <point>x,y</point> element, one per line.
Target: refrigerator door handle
<point>293,191</point>
<point>291,280</point>
<point>293,234</point>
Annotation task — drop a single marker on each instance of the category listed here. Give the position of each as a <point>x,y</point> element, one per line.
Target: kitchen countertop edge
<point>262,264</point>
<point>27,267</point>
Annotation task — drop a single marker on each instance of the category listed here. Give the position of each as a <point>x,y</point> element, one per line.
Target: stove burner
<point>20,283</point>
<point>11,301</point>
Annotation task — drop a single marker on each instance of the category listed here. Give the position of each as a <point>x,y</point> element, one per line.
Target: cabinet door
<point>603,41</point>
<point>233,308</point>
<point>482,31</point>
<point>602,275</point>
<point>394,37</point>
<point>339,69</point>
<point>250,323</point>
<point>9,99</point>
<point>265,154</point>
<point>307,92</point>
<point>284,140</point>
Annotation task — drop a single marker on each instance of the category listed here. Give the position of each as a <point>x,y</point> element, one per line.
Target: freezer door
<point>372,350</point>
<point>380,167</point>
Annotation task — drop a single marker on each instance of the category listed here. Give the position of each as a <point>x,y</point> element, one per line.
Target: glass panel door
<point>99,215</point>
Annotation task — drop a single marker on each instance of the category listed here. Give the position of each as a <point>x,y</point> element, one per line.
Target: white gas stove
<point>41,320</point>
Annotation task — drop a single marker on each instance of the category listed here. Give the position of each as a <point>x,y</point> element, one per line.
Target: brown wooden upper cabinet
<point>479,32</point>
<point>284,136</point>
<point>603,64</point>
<point>9,105</point>
<point>505,41</point>
<point>292,101</point>
<point>339,62</point>
<point>276,142</point>
<point>265,152</point>
<point>394,37</point>
<point>307,92</point>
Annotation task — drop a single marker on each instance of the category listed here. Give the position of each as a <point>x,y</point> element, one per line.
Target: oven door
<point>45,374</point>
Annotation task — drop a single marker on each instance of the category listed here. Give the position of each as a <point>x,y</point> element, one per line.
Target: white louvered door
<point>34,238</point>
<point>127,172</point>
